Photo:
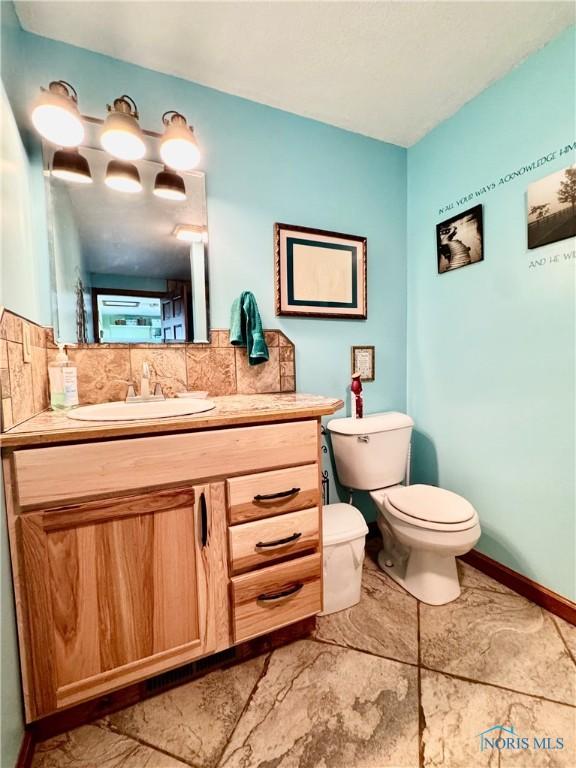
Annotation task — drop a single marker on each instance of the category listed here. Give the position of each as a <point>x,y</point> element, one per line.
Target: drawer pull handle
<point>270,596</point>
<point>279,495</point>
<point>279,542</point>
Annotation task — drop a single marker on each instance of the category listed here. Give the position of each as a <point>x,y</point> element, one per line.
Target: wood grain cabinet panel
<point>53,475</point>
<point>263,542</point>
<point>276,596</point>
<point>121,589</point>
<point>251,497</point>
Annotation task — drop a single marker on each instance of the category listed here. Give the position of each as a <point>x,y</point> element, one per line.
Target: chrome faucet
<point>144,395</point>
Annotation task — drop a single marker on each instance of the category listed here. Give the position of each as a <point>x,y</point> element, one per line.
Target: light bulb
<point>123,177</point>
<point>121,135</point>
<point>70,165</point>
<point>178,146</point>
<point>169,186</point>
<point>56,117</point>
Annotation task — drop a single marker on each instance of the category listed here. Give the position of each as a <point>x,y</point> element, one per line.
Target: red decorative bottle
<point>356,388</point>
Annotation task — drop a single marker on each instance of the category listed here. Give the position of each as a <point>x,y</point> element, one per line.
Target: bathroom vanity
<point>138,547</point>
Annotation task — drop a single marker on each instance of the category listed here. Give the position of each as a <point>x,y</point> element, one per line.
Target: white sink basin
<point>150,409</point>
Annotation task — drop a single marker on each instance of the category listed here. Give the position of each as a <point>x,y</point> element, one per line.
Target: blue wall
<point>263,166</point>
<point>491,346</point>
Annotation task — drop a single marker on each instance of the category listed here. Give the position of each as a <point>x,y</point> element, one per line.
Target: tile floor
<point>390,683</point>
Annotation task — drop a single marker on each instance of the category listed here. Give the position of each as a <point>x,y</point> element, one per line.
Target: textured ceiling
<point>391,70</point>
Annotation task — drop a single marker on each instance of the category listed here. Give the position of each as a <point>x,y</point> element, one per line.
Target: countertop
<point>49,427</point>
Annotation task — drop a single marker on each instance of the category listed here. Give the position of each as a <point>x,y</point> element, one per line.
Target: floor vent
<point>189,671</point>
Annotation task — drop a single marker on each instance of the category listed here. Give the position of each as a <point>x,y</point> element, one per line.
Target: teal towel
<point>246,328</point>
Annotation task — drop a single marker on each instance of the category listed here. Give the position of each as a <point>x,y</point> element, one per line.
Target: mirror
<point>119,271</point>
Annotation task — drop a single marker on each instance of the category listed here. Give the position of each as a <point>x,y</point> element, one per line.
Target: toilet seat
<point>428,507</point>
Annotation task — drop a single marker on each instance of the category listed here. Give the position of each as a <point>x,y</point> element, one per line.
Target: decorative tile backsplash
<point>23,369</point>
<point>106,370</point>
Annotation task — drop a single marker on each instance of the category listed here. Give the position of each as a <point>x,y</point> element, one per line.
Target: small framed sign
<point>319,273</point>
<point>363,362</point>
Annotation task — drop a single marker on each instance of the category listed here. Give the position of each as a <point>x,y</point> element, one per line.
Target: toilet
<point>423,527</point>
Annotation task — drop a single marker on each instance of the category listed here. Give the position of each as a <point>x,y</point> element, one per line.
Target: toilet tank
<point>372,452</point>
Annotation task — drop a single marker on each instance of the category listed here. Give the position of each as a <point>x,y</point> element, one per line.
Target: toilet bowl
<point>423,529</point>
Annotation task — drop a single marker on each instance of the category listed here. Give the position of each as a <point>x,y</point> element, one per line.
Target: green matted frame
<point>301,253</point>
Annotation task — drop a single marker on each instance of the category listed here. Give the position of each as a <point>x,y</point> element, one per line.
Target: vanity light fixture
<point>123,177</point>
<point>55,114</point>
<point>190,233</point>
<point>70,165</point>
<point>121,135</point>
<point>178,146</point>
<point>169,185</point>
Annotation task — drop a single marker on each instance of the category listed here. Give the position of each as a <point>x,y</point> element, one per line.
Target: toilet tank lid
<point>369,425</point>
<point>342,522</point>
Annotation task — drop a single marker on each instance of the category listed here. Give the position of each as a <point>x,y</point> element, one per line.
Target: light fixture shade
<point>178,146</point>
<point>190,233</point>
<point>56,117</point>
<point>123,177</point>
<point>70,165</point>
<point>121,135</point>
<point>169,185</point>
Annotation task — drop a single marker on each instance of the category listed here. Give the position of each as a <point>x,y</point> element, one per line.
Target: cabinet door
<point>121,589</point>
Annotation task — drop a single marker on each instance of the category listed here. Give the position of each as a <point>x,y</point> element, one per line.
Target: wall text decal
<point>507,178</point>
<point>554,258</point>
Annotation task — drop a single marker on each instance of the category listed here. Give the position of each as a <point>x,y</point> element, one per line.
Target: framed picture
<point>460,240</point>
<point>552,208</point>
<point>319,273</point>
<point>363,362</point>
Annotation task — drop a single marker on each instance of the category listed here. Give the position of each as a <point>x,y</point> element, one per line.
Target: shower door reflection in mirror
<point>120,271</point>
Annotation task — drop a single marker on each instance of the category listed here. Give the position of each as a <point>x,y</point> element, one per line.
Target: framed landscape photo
<point>319,273</point>
<point>363,362</point>
<point>460,240</point>
<point>552,208</point>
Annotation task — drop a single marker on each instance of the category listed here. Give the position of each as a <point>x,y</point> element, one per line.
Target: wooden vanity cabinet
<point>133,556</point>
<point>121,589</point>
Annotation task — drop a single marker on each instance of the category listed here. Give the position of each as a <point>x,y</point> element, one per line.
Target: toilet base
<point>430,577</point>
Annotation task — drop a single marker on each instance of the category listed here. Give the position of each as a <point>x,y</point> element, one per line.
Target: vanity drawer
<point>264,541</point>
<point>276,596</point>
<point>265,494</point>
<point>47,476</point>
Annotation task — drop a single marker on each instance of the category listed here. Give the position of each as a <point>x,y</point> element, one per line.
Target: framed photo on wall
<point>319,273</point>
<point>552,208</point>
<point>460,240</point>
<point>363,362</point>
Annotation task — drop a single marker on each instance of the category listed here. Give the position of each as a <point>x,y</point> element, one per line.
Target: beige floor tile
<point>568,632</point>
<point>385,621</point>
<point>94,747</point>
<point>194,721</point>
<point>497,638</point>
<point>472,578</point>
<point>456,712</point>
<point>329,707</point>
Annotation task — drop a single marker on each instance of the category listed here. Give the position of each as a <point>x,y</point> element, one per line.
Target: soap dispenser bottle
<point>63,382</point>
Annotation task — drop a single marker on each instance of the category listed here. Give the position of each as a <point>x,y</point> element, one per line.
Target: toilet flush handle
<point>363,438</point>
